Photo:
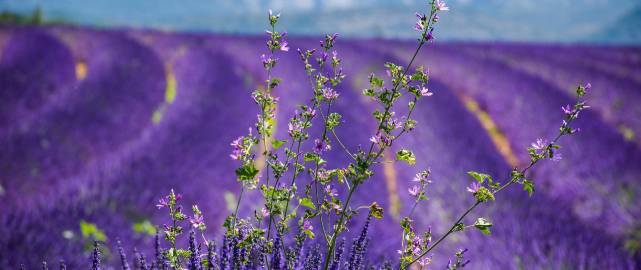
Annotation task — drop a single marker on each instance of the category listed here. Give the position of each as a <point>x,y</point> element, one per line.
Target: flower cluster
<point>425,23</point>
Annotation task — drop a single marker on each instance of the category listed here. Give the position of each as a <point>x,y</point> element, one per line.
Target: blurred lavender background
<point>105,106</point>
<point>602,21</point>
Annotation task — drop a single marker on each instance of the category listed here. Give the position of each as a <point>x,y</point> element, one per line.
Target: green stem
<point>332,245</point>
<point>451,230</point>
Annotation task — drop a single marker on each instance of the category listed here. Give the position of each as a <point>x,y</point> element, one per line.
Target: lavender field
<point>96,125</point>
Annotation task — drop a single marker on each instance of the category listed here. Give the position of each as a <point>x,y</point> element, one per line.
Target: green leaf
<point>529,187</point>
<point>309,234</point>
<point>376,210</point>
<point>144,227</point>
<point>369,92</point>
<point>90,230</point>
<point>480,177</point>
<point>484,195</point>
<point>483,225</point>
<point>246,172</point>
<point>307,202</point>
<point>376,81</point>
<point>407,156</point>
<point>311,157</point>
<point>277,143</point>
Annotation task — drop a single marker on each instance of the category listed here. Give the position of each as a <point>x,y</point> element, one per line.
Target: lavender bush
<point>307,202</point>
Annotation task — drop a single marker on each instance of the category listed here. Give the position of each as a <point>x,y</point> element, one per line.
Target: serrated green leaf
<point>277,143</point>
<point>480,177</point>
<point>407,156</point>
<point>307,202</point>
<point>311,157</point>
<point>246,172</point>
<point>529,187</point>
<point>376,82</point>
<point>483,225</point>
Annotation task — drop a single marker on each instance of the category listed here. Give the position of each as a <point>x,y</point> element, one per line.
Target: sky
<point>546,21</point>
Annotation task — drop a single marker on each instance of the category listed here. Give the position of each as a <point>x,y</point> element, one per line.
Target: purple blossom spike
<point>123,257</point>
<point>211,254</point>
<point>194,258</point>
<point>95,255</point>
<point>337,256</point>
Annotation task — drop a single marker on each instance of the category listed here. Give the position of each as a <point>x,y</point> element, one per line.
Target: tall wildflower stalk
<point>275,237</point>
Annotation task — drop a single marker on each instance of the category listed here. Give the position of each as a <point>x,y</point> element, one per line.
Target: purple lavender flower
<point>160,260</point>
<point>197,221</point>
<point>224,253</point>
<point>426,92</point>
<point>211,260</point>
<point>313,260</point>
<point>237,150</point>
<point>294,128</point>
<point>162,203</point>
<point>307,225</point>
<point>359,247</point>
<point>540,144</point>
<point>376,138</point>
<point>440,6</point>
<point>337,256</point>
<point>194,258</point>
<point>474,187</point>
<point>123,257</point>
<point>264,212</point>
<point>329,94</point>
<point>142,263</point>
<point>319,146</point>
<point>332,192</point>
<point>283,42</point>
<point>310,112</point>
<point>324,56</point>
<point>420,24</point>
<point>276,253</point>
<point>567,109</point>
<point>429,37</point>
<point>95,255</point>
<point>414,191</point>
